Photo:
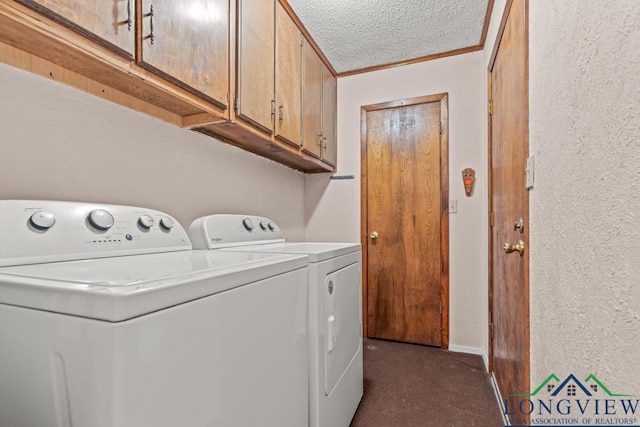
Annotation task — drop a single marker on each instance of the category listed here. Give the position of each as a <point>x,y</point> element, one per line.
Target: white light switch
<point>530,172</point>
<point>453,206</point>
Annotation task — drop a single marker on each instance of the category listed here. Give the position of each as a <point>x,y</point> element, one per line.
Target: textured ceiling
<point>355,34</point>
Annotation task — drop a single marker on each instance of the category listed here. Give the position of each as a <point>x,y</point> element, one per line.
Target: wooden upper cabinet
<point>256,59</point>
<point>329,112</point>
<point>187,42</point>
<point>109,23</point>
<point>311,101</point>
<point>288,123</point>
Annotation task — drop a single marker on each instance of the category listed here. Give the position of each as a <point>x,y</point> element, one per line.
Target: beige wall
<point>585,236</point>
<point>60,143</point>
<point>333,207</point>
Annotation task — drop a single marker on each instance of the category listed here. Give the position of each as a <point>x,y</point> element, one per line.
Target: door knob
<point>518,247</point>
<point>374,235</point>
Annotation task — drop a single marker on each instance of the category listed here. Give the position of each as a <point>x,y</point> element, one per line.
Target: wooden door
<point>509,287</point>
<point>288,78</point>
<point>329,112</point>
<point>256,59</point>
<point>311,101</point>
<point>405,191</point>
<point>187,42</point>
<point>110,23</point>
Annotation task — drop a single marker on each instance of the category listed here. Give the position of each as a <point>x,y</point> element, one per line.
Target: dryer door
<point>342,322</point>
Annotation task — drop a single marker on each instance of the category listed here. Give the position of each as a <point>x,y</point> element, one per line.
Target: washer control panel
<point>46,231</point>
<point>223,231</point>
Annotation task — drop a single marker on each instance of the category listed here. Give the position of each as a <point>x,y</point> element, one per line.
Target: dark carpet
<point>411,385</point>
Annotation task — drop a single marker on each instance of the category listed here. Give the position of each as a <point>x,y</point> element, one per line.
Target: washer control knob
<point>42,220</point>
<point>248,224</point>
<point>101,219</point>
<point>166,223</point>
<point>145,221</point>
<point>271,226</point>
<point>264,225</point>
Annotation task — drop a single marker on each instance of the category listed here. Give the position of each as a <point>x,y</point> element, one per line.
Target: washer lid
<point>317,252</point>
<point>120,288</point>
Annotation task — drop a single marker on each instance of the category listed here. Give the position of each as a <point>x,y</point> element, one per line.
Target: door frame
<point>443,98</point>
<point>525,217</point>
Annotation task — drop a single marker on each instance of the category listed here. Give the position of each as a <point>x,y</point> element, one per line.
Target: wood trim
<point>287,7</point>
<point>364,223</point>
<point>487,21</point>
<point>496,44</point>
<point>490,226</point>
<point>403,103</point>
<point>412,61</point>
<point>444,220</point>
<point>443,98</point>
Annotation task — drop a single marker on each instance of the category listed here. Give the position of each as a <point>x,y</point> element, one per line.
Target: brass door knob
<point>518,247</point>
<point>374,235</point>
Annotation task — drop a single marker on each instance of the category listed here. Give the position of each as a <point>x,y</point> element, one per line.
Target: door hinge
<point>440,307</point>
<point>491,219</point>
<point>491,333</point>
<point>441,128</point>
<point>491,107</point>
<point>235,102</point>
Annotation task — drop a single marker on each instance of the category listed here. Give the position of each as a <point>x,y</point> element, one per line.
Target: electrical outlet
<point>453,206</point>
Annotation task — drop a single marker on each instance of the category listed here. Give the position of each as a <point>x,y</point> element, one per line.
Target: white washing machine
<point>335,307</point>
<point>109,319</point>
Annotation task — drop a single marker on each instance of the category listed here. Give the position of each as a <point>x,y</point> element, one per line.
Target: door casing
<point>443,98</point>
<point>524,304</point>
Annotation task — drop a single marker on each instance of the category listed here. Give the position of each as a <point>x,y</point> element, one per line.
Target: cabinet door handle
<point>151,36</point>
<point>281,113</point>
<point>128,21</point>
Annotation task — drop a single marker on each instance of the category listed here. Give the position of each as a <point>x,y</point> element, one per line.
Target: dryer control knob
<point>166,223</point>
<point>101,219</point>
<point>42,220</point>
<point>264,225</point>
<point>271,226</point>
<point>248,224</point>
<point>145,221</point>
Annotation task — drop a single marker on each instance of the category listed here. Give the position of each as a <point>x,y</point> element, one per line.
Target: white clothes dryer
<point>109,319</point>
<point>335,307</point>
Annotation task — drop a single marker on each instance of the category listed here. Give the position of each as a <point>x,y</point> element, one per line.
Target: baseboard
<point>465,349</point>
<point>496,392</point>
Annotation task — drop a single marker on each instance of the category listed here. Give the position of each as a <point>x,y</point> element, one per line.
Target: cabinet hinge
<point>491,219</point>
<point>235,102</point>
<point>491,107</point>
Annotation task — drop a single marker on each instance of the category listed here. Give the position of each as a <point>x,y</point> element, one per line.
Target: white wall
<point>62,144</point>
<point>333,207</point>
<point>584,210</point>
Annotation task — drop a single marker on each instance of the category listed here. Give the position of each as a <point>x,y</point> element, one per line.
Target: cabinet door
<point>187,42</point>
<point>329,100</point>
<point>109,23</point>
<point>311,101</point>
<point>256,59</point>
<point>288,78</point>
